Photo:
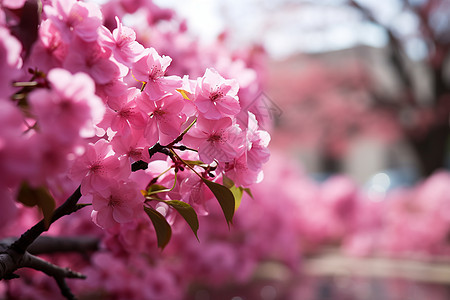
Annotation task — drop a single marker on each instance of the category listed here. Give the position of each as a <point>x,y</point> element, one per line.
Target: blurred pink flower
<point>10,61</point>
<point>50,50</point>
<point>13,4</point>
<point>91,58</point>
<point>70,108</point>
<point>9,208</point>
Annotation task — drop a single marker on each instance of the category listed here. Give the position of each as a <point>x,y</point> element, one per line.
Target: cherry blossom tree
<point>149,140</point>
<point>426,126</point>
<point>93,121</point>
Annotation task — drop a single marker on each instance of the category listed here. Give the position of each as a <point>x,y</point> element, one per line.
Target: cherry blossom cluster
<point>309,217</point>
<point>185,266</point>
<point>93,106</point>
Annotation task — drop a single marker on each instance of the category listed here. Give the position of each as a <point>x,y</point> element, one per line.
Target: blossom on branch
<point>216,139</point>
<point>151,69</point>
<point>164,117</point>
<point>75,18</point>
<point>119,203</point>
<point>97,167</point>
<point>216,97</point>
<point>122,42</point>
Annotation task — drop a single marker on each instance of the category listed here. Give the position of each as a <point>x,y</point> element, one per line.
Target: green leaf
<point>27,196</point>
<point>156,188</point>
<point>248,191</point>
<point>237,193</point>
<point>162,228</point>
<point>227,181</point>
<point>39,197</point>
<point>187,212</point>
<point>225,198</point>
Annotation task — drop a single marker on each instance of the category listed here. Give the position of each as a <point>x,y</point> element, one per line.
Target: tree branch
<point>396,52</point>
<point>59,274</point>
<point>58,244</point>
<point>51,244</point>
<point>15,256</point>
<point>26,239</point>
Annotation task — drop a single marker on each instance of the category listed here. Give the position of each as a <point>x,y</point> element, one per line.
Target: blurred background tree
<point>341,70</point>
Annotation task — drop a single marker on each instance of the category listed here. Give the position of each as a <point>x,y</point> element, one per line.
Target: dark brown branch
<point>58,273</point>
<point>64,288</point>
<point>26,239</point>
<point>36,263</point>
<point>431,147</point>
<point>15,256</point>
<point>26,30</point>
<point>50,244</point>
<point>58,244</point>
<point>10,261</point>
<point>396,51</point>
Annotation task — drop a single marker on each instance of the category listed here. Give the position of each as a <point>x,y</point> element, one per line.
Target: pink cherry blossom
<point>132,145</point>
<point>17,156</point>
<point>115,88</point>
<point>151,69</point>
<point>85,121</point>
<point>10,61</point>
<point>122,42</point>
<point>50,50</point>
<point>103,272</point>
<point>9,208</point>
<point>258,140</point>
<point>162,283</point>
<point>165,118</point>
<point>70,108</point>
<point>188,87</point>
<point>51,157</point>
<point>119,203</point>
<point>339,194</point>
<point>11,122</point>
<point>195,192</point>
<point>122,113</point>
<point>13,4</point>
<point>97,167</point>
<point>239,171</point>
<point>215,96</point>
<point>215,263</point>
<point>75,17</point>
<point>216,139</point>
<point>91,58</point>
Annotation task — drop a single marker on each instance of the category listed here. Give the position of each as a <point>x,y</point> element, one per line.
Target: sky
<point>286,27</point>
